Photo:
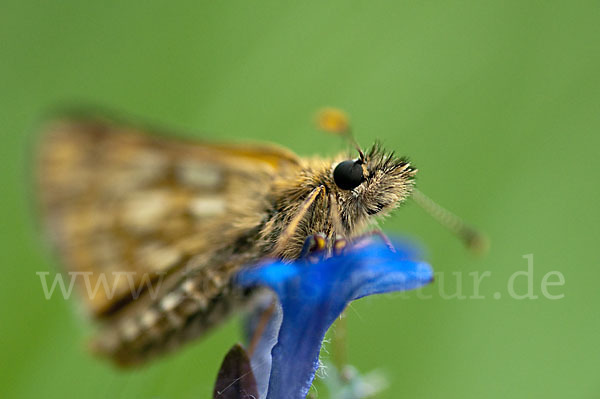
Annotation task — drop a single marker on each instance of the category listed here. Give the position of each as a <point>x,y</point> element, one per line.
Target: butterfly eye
<point>348,174</point>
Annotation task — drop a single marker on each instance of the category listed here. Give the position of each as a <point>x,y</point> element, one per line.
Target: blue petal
<point>312,296</point>
<point>261,357</point>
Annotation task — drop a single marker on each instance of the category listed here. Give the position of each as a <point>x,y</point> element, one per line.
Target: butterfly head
<point>373,183</point>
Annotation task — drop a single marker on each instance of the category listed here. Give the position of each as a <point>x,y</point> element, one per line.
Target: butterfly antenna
<point>474,239</point>
<point>336,121</point>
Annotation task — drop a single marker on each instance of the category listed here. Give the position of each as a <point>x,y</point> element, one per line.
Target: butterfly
<point>154,228</point>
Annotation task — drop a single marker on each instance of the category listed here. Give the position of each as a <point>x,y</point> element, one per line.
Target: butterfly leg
<point>365,238</point>
<point>265,314</point>
<point>314,248</point>
<point>293,224</point>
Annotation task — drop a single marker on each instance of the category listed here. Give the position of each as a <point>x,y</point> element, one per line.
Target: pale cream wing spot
<point>129,329</point>
<point>142,211</point>
<point>188,287</point>
<point>199,174</point>
<point>169,302</point>
<point>157,257</point>
<point>149,318</point>
<point>208,206</point>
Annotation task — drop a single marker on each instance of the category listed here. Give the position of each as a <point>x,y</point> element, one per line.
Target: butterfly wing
<point>124,208</point>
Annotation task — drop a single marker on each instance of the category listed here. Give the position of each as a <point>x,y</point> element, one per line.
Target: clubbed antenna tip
<point>336,121</point>
<point>475,240</point>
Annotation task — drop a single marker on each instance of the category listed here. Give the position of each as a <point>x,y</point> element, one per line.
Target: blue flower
<point>312,295</point>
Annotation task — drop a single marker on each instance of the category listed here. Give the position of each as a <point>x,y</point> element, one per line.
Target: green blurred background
<point>497,103</point>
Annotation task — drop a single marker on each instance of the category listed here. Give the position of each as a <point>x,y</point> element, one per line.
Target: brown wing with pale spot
<point>123,207</point>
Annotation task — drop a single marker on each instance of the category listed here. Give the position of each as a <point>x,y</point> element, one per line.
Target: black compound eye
<point>348,174</point>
